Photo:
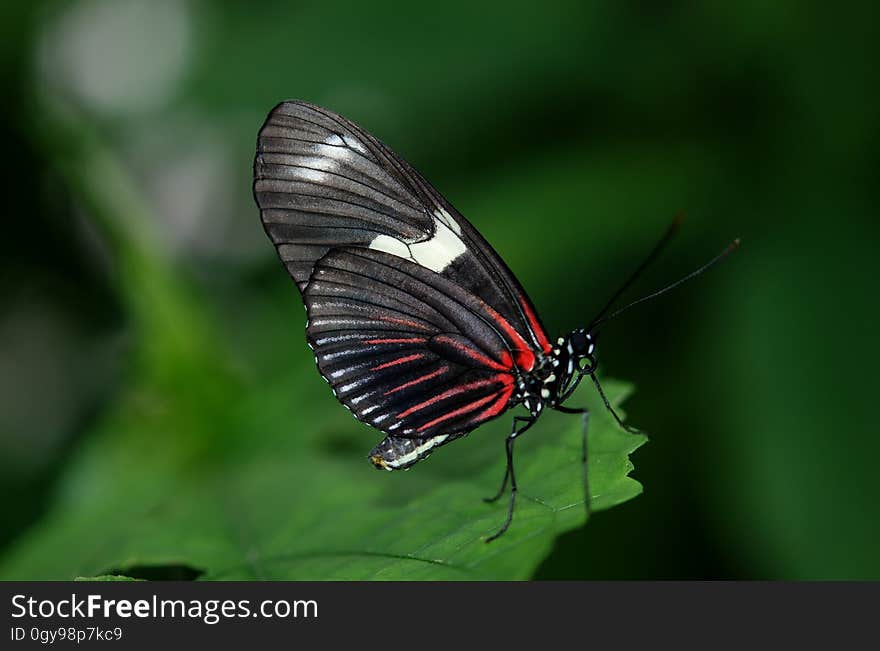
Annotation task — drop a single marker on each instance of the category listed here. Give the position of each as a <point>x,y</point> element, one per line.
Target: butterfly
<point>416,323</point>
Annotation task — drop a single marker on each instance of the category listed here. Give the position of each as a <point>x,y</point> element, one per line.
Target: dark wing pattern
<point>389,337</point>
<point>416,323</point>
<point>322,183</point>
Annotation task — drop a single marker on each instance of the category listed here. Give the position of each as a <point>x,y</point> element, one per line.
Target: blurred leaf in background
<point>569,133</point>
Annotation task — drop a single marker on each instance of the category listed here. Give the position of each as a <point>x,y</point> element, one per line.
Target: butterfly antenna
<point>718,258</point>
<point>671,230</point>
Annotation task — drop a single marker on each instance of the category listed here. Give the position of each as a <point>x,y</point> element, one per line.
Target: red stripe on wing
<point>399,360</point>
<point>418,380</point>
<point>505,379</point>
<point>404,340</point>
<point>505,365</point>
<point>525,357</point>
<point>543,341</point>
<point>405,322</point>
<point>496,407</point>
<point>457,412</point>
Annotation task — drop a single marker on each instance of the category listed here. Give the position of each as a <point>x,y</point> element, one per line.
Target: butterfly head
<point>582,347</point>
<point>579,349</point>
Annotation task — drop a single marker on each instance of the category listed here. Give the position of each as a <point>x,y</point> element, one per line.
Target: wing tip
<point>294,106</point>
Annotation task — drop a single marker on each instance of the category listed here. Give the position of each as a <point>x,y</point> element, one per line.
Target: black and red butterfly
<point>417,324</point>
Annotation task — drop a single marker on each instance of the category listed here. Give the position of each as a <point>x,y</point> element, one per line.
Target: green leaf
<point>320,515</point>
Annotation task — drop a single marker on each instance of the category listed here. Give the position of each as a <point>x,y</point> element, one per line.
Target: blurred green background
<point>570,133</point>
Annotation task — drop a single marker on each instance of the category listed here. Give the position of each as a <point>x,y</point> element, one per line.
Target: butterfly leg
<point>513,434</point>
<point>509,473</point>
<point>585,425</point>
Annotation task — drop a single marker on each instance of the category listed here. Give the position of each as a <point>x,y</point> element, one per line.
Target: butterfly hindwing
<point>389,337</point>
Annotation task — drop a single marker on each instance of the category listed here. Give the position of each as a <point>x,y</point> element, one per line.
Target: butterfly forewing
<point>323,183</point>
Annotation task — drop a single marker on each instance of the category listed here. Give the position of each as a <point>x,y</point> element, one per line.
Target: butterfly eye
<point>586,364</point>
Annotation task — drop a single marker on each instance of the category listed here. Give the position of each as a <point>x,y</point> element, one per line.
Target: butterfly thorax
<point>546,384</point>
